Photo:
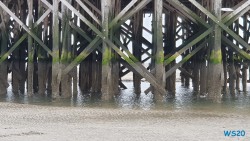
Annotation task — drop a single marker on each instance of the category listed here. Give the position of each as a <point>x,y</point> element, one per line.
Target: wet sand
<point>23,122</point>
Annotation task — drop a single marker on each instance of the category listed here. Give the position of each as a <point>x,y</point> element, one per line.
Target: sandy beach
<point>23,122</point>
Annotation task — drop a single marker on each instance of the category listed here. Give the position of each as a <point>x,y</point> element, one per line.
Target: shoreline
<point>34,122</point>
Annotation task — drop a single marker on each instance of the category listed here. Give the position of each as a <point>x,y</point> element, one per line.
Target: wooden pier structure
<point>55,46</point>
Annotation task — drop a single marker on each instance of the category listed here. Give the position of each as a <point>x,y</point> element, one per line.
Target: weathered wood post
<point>43,64</point>
<point>74,55</point>
<point>237,60</point>
<point>232,72</point>
<point>203,64</point>
<point>224,59</point>
<point>244,65</point>
<point>170,44</point>
<point>106,52</point>
<point>19,54</point>
<point>86,66</point>
<point>196,73</point>
<point>114,33</point>
<point>30,51</point>
<point>3,49</point>
<point>158,47</point>
<point>215,70</point>
<point>56,76</point>
<point>137,48</point>
<point>66,57</point>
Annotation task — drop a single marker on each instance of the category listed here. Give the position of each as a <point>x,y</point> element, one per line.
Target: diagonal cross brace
<point>5,56</point>
<point>140,69</point>
<point>221,24</point>
<point>226,41</point>
<point>226,19</point>
<point>88,11</point>
<point>25,27</point>
<point>172,70</point>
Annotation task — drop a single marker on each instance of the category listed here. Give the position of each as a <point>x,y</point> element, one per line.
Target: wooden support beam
<point>93,7</point>
<point>221,24</point>
<point>236,48</point>
<point>3,49</point>
<point>178,65</point>
<point>65,52</point>
<point>189,13</point>
<point>236,9</point>
<point>186,72</point>
<point>7,54</point>
<point>215,67</point>
<point>144,41</point>
<point>80,31</point>
<point>137,8</point>
<point>236,16</point>
<point>86,9</point>
<point>137,30</point>
<point>30,51</point>
<point>138,67</point>
<point>170,38</point>
<point>187,46</point>
<point>92,46</point>
<point>106,50</point>
<point>122,13</point>
<point>182,49</point>
<point>245,62</point>
<point>185,16</point>
<point>56,69</point>
<point>185,59</point>
<point>24,36</point>
<point>122,85</point>
<point>127,65</point>
<point>25,28</point>
<point>158,48</point>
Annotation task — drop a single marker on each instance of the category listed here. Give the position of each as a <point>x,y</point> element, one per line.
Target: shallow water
<point>183,100</point>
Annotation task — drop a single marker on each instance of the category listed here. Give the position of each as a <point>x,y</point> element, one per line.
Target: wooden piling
<point>56,70</point>
<point>106,50</point>
<point>158,47</point>
<point>3,49</point>
<point>43,62</point>
<point>137,48</point>
<point>66,54</point>
<point>170,45</point>
<point>30,51</point>
<point>39,52</point>
<point>215,68</point>
<point>232,73</point>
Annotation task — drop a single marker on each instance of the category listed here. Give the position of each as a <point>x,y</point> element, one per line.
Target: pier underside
<point>52,47</point>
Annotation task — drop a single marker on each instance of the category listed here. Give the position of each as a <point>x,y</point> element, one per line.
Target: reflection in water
<point>184,99</point>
